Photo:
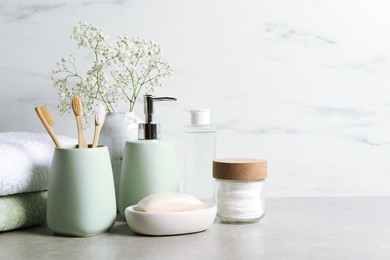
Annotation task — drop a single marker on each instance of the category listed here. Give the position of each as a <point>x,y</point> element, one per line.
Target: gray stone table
<point>293,228</point>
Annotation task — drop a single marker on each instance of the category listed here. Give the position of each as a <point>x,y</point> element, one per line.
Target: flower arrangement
<point>119,72</point>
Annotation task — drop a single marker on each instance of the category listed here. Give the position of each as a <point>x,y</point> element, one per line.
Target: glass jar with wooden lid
<point>240,189</point>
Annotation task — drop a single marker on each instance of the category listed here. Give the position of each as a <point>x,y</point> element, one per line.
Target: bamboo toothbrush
<point>100,116</point>
<point>77,107</point>
<point>48,121</point>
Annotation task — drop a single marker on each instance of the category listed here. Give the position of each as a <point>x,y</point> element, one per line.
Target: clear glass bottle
<point>199,153</point>
<point>239,193</point>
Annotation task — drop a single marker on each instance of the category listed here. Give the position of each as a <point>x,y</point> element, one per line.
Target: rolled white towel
<point>25,160</point>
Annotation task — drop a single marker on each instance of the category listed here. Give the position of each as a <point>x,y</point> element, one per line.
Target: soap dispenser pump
<point>149,164</point>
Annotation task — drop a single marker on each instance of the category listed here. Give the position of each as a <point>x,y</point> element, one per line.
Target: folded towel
<point>22,210</point>
<point>25,160</point>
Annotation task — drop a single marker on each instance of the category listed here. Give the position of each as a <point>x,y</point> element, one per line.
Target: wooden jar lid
<point>240,169</point>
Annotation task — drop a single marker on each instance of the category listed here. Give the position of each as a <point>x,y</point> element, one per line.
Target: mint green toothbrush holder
<point>81,198</point>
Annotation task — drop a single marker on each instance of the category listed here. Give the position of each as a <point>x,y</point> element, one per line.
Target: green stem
<point>105,101</point>
<point>134,86</point>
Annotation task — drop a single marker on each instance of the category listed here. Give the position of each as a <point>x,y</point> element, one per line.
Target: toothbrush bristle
<point>77,106</point>
<point>47,115</point>
<point>100,115</point>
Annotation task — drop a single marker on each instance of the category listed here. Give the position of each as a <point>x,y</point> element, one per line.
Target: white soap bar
<point>169,202</point>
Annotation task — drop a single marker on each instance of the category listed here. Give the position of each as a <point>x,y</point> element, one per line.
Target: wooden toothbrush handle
<point>47,127</point>
<point>96,136</point>
<point>80,131</point>
<point>53,136</point>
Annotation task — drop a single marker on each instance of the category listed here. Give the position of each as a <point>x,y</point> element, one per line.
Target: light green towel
<point>22,210</point>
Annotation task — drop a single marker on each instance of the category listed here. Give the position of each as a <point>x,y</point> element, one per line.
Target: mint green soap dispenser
<point>149,164</point>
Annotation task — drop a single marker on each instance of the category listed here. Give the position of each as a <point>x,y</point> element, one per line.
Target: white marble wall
<point>304,84</point>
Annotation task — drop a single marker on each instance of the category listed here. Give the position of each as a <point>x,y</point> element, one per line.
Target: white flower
<point>130,65</point>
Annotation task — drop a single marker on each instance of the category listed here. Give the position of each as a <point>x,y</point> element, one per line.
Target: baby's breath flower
<point>118,73</point>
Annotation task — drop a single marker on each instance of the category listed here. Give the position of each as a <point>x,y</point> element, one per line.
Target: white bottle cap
<point>200,117</point>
